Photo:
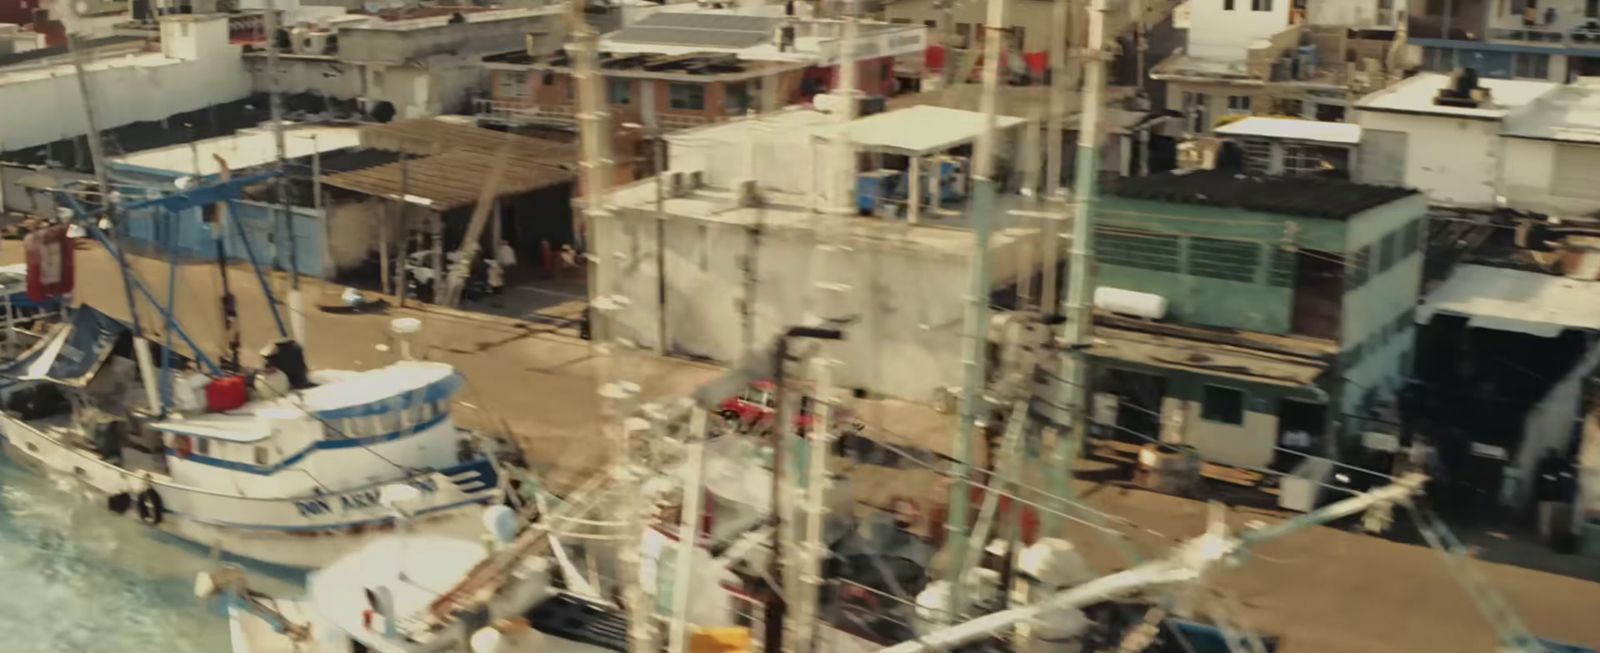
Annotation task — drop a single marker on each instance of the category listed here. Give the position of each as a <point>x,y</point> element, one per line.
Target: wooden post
<point>383,246</point>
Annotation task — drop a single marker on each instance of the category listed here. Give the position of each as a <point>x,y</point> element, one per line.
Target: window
<point>736,98</point>
<point>963,34</point>
<point>1591,8</point>
<point>900,21</point>
<point>1016,37</point>
<point>1222,405</point>
<point>261,455</point>
<point>1528,65</point>
<point>1388,250</point>
<point>202,446</point>
<point>1239,104</point>
<point>688,97</point>
<point>1260,5</point>
<point>1355,268</point>
<point>511,83</point>
<point>886,70</point>
<point>1283,263</point>
<point>1436,59</point>
<point>619,91</point>
<point>1227,5</point>
<point>1137,249</point>
<point>1232,260</point>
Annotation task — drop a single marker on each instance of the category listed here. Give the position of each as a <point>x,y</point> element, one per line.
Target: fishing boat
<point>286,469</point>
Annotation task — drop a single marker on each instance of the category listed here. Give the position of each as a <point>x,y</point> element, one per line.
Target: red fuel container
<point>226,393</point>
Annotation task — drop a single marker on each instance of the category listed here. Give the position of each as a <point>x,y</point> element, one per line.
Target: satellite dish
<point>501,522</point>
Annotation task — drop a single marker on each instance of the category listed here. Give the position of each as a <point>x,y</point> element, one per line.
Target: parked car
<point>757,405</point>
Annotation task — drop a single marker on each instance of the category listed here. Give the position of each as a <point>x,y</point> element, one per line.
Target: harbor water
<point>75,578</point>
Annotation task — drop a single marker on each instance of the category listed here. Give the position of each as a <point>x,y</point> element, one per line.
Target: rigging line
<point>1020,483</point>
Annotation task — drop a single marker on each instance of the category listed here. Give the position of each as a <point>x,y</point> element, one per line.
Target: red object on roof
<point>226,393</point>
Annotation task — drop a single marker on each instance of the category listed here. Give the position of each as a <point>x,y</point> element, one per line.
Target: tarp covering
<point>72,353</point>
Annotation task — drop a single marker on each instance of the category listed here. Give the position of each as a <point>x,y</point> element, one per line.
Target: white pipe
<point>688,530</point>
<point>297,316</point>
<point>1188,562</point>
<point>147,372</point>
<point>812,550</point>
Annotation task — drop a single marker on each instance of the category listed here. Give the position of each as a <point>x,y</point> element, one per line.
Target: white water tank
<point>1130,302</point>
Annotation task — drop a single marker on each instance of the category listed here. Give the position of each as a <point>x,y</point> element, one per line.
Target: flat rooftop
<point>1333,133</point>
<point>1314,198</point>
<point>918,130</point>
<point>246,149</point>
<point>1515,300</point>
<point>1415,96</point>
<point>1567,113</point>
<point>753,36</point>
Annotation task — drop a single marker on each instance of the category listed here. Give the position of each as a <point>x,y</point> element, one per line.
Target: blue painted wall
<point>253,223</point>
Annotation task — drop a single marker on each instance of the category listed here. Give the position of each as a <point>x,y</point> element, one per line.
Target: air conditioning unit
<point>315,43</point>
<point>746,194</point>
<point>693,179</point>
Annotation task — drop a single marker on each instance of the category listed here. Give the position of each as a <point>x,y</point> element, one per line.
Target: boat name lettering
<point>363,500</point>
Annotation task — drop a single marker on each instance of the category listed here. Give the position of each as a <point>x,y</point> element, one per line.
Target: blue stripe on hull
<point>343,443</point>
<point>377,521</point>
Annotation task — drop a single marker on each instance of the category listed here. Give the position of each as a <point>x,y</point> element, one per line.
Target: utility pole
<point>280,184</point>
<point>977,319</point>
<point>1080,313</point>
<point>1054,133</point>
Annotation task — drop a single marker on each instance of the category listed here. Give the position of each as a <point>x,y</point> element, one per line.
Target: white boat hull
<point>303,532</point>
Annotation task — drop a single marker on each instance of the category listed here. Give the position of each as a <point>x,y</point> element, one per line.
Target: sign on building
<point>50,265</point>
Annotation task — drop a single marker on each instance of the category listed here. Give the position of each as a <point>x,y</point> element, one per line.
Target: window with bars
<point>690,97</point>
<point>1137,249</point>
<point>1281,274</point>
<point>1233,260</point>
<point>511,83</point>
<point>1355,268</point>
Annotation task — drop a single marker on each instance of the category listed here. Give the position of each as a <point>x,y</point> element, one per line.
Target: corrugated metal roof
<point>450,180</point>
<point>1503,299</point>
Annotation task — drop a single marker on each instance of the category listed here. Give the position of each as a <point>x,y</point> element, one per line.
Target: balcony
<point>1587,36</point>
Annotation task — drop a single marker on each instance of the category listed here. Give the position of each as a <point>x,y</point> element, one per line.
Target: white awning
<point>1514,300</point>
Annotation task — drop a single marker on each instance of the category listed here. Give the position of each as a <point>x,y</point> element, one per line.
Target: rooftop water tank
<point>1130,302</point>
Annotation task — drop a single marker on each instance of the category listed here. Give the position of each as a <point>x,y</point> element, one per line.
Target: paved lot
<point>1323,590</point>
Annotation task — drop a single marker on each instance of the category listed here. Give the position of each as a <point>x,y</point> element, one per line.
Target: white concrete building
<point>423,62</point>
<point>194,68</point>
<point>1225,30</point>
<point>901,286</point>
<point>1529,145</point>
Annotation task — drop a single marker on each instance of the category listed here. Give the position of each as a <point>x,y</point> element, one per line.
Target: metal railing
<point>1576,37</point>
<point>565,115</point>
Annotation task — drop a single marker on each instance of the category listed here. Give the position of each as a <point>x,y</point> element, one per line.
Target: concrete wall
<point>1374,318</point>
<point>159,86</point>
<point>1354,14</point>
<point>1528,168</point>
<point>906,346</point>
<point>1257,305</point>
<point>19,188</point>
<point>1456,161</point>
<point>387,44</point>
<point>1216,32</point>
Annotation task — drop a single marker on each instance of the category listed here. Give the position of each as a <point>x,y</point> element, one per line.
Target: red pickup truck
<point>758,404</point>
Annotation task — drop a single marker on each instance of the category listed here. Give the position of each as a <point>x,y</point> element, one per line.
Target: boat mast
<point>280,182</point>
<point>107,209</point>
<point>977,320</point>
<point>1080,313</point>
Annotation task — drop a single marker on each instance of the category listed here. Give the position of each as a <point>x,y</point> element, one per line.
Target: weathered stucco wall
<point>1454,161</point>
<point>1258,305</point>
<point>906,346</point>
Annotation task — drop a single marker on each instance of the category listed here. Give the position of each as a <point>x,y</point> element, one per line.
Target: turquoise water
<point>76,579</point>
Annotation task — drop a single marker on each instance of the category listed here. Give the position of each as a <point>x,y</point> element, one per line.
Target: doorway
<point>1138,410</point>
<point>1318,293</point>
<point>1300,429</point>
